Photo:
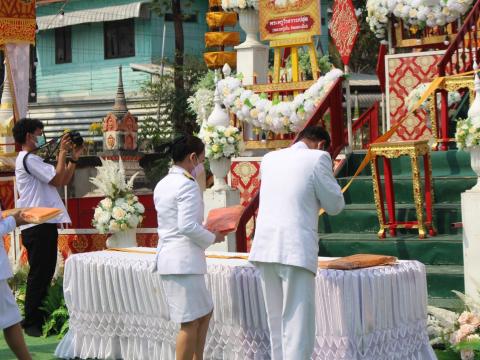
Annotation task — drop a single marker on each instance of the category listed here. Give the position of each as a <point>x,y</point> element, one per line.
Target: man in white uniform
<point>295,184</point>
<point>37,182</point>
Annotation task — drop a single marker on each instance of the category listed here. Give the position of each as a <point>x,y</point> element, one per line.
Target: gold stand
<point>392,150</point>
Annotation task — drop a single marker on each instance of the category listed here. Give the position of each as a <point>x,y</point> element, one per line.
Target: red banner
<point>344,28</point>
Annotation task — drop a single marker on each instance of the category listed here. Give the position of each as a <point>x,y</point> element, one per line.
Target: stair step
<point>363,218</point>
<point>453,304</point>
<point>444,163</point>
<point>442,279</point>
<point>437,250</point>
<point>446,189</point>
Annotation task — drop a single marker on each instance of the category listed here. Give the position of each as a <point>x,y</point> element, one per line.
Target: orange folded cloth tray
<point>358,261</point>
<point>224,220</point>
<point>35,215</point>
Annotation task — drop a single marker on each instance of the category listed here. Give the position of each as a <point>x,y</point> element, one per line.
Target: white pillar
<point>214,199</point>
<point>471,242</point>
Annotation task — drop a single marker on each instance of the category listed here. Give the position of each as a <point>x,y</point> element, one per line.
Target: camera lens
<point>76,138</point>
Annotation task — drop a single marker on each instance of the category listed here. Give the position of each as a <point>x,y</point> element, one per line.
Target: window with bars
<point>119,37</point>
<point>63,45</point>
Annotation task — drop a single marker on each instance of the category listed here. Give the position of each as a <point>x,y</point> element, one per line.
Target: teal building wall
<point>90,74</point>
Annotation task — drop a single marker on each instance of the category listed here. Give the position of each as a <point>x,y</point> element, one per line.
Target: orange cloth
<point>213,3</point>
<point>224,220</point>
<point>218,19</point>
<point>217,59</point>
<point>36,215</point>
<point>222,39</point>
<point>357,261</point>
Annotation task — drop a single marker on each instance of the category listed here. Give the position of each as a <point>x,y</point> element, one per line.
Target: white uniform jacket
<point>35,189</point>
<point>182,237</point>
<point>295,183</point>
<point>6,225</point>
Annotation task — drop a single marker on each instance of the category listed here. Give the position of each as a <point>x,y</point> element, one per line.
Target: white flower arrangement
<point>468,132</point>
<point>276,116</point>
<point>201,103</point>
<point>415,95</point>
<point>235,5</point>
<point>419,13</point>
<point>221,141</point>
<point>458,332</point>
<point>120,210</point>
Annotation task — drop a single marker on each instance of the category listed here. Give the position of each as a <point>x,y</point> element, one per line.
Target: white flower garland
<point>415,95</point>
<point>278,117</point>
<point>239,4</point>
<point>420,13</point>
<point>235,5</point>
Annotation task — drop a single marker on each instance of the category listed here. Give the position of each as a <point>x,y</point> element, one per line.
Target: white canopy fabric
<point>108,13</point>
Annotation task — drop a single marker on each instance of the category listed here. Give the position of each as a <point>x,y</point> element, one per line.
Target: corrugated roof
<point>108,13</point>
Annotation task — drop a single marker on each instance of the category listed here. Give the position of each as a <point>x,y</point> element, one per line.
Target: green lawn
<point>40,348</point>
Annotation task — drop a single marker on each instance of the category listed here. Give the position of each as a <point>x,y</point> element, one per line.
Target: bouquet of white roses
<point>120,210</point>
<point>221,141</point>
<point>468,133</point>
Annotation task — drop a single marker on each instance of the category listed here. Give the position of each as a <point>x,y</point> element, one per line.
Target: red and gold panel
<point>17,21</point>
<point>80,243</point>
<point>405,72</point>
<point>245,176</point>
<point>7,195</point>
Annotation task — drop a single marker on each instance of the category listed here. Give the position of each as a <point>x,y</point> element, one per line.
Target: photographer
<point>36,182</point>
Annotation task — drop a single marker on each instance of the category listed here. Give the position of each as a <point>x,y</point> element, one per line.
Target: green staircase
<point>355,229</point>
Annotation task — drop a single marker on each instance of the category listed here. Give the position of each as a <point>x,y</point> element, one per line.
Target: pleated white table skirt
<point>117,311</point>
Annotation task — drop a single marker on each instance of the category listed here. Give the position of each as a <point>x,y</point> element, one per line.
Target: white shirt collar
<point>176,170</point>
<point>299,145</point>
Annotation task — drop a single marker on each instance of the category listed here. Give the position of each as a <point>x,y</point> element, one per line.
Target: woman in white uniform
<point>9,315</point>
<point>181,247</point>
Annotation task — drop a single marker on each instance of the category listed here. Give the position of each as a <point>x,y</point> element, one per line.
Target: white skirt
<point>187,297</point>
<point>9,314</point>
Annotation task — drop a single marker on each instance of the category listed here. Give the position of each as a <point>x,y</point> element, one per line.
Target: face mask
<point>40,141</point>
<point>197,169</point>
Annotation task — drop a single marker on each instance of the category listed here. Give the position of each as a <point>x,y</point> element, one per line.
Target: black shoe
<point>33,330</point>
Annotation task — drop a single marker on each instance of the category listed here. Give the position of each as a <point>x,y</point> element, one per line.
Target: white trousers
<point>289,294</point>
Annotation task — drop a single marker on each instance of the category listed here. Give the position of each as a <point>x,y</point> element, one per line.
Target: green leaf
<point>263,96</point>
<point>248,103</point>
<point>468,345</point>
<point>276,101</point>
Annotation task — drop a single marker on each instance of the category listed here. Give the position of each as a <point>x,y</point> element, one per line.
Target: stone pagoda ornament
<point>120,130</point>
<point>120,127</point>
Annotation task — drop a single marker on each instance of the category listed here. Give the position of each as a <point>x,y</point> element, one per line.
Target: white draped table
<point>117,311</point>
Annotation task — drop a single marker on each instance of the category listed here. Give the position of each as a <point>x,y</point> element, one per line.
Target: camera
<point>76,138</point>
